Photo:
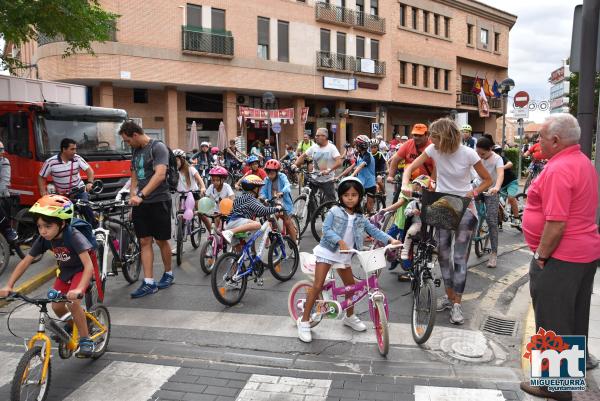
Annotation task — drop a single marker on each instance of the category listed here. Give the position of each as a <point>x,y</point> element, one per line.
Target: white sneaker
<point>456,314</point>
<point>304,333</point>
<point>173,251</point>
<point>443,303</point>
<point>228,235</point>
<point>354,323</point>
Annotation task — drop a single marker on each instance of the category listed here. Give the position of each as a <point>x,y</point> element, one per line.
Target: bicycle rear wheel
<point>283,258</point>
<point>4,254</point>
<point>380,322</point>
<point>226,288</point>
<point>131,262</point>
<point>100,312</point>
<point>297,298</point>
<point>423,311</point>
<point>207,259</point>
<point>317,219</point>
<point>482,238</point>
<point>28,383</point>
<point>196,236</point>
<point>179,238</point>
<point>301,212</point>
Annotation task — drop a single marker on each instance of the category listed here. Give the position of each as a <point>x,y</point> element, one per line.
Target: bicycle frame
<point>358,290</point>
<point>265,230</point>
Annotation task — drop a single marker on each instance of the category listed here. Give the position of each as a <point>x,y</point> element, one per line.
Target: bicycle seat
<point>308,263</point>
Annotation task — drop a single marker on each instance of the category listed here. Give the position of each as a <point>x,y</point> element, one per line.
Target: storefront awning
<point>365,114</point>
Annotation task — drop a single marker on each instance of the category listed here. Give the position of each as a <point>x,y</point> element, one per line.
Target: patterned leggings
<point>454,271</point>
<point>492,203</point>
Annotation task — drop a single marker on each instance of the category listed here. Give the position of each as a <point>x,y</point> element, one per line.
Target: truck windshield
<point>96,140</point>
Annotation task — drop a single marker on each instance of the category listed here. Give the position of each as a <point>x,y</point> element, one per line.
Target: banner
<point>261,114</point>
<point>484,108</point>
<point>304,114</point>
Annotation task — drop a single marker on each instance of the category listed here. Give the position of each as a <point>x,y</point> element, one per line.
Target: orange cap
<point>419,129</point>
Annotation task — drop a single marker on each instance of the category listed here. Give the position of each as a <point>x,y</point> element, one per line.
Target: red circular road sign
<point>521,99</point>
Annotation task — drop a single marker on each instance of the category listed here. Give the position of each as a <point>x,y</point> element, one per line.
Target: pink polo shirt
<point>566,190</point>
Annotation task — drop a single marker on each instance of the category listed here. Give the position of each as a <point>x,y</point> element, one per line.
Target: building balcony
<point>45,39</point>
<point>207,42</point>
<point>470,99</point>
<point>333,14</point>
<point>342,63</point>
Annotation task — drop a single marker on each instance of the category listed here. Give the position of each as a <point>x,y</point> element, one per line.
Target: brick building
<point>352,62</point>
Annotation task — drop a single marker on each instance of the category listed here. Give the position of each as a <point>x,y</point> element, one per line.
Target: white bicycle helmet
<point>179,153</point>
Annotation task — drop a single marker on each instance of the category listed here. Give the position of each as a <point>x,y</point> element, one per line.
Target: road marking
<point>266,388</point>
<point>9,365</point>
<point>124,381</point>
<point>432,393</point>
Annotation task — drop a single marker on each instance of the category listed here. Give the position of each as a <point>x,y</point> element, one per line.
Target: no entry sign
<point>521,99</point>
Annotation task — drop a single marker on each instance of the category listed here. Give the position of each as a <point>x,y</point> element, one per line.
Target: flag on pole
<point>476,85</point>
<point>486,88</point>
<point>484,108</point>
<point>496,89</point>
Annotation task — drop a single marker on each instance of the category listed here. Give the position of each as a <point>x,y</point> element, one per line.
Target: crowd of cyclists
<point>259,183</point>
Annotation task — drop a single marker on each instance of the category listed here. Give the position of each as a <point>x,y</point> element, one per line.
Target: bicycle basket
<point>373,260</point>
<point>443,210</point>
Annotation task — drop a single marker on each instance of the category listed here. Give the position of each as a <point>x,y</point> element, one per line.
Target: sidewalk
<point>594,330</point>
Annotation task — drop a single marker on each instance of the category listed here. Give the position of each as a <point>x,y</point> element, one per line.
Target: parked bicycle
<point>33,375</point>
<point>328,307</point>
<point>308,202</point>
<point>186,227</point>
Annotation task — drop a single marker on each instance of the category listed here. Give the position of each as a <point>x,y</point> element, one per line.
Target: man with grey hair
<point>560,228</point>
<point>326,159</point>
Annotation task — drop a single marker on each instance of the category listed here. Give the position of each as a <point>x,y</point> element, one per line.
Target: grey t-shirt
<point>66,256</point>
<point>143,163</point>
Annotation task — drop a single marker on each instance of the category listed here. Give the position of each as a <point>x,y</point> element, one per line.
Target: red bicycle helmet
<point>214,150</point>
<point>273,165</point>
<point>219,172</point>
<point>362,142</point>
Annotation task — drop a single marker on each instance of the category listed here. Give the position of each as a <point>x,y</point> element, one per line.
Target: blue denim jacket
<point>335,225</point>
<point>284,187</point>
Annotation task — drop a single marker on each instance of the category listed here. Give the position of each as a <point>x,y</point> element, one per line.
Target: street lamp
<point>268,99</point>
<point>505,87</point>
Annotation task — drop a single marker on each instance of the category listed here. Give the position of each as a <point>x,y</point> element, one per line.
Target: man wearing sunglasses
<point>9,233</point>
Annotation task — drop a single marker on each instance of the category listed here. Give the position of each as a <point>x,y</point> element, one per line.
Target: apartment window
<point>403,73</point>
<point>469,34</point>
<point>426,76</point>
<point>360,47</point>
<point>194,15</point>
<point>436,78</point>
<point>203,102</point>
<point>263,38</point>
<point>415,71</point>
<point>341,43</point>
<point>447,27</point>
<point>374,49</point>
<point>374,7</point>
<point>283,41</point>
<point>436,24</point>
<point>484,37</point>
<point>414,17</point>
<point>218,19</point>
<point>402,15</point>
<point>496,42</point>
<point>140,95</point>
<point>425,21</point>
<point>325,40</point>
<point>360,5</point>
<point>446,79</point>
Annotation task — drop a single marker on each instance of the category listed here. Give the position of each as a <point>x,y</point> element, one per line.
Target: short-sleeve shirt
<point>380,163</point>
<point>218,196</point>
<point>182,184</point>
<point>64,175</point>
<point>303,147</point>
<point>409,152</point>
<point>324,158</point>
<point>567,191</point>
<point>367,174</point>
<point>471,142</point>
<point>453,170</point>
<point>509,175</point>
<point>67,256</point>
<point>536,152</point>
<point>143,163</point>
<point>259,172</point>
<point>268,152</point>
<point>491,164</point>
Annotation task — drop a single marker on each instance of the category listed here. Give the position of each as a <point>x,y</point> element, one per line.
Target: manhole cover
<point>469,350</point>
<point>466,346</point>
<point>501,326</point>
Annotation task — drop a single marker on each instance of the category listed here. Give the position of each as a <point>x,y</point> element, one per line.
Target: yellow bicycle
<point>32,377</point>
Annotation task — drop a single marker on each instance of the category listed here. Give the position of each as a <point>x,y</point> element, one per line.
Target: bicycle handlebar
<point>103,204</point>
<point>59,297</point>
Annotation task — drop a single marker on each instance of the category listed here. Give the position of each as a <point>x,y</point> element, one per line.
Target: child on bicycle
<point>52,214</point>
<point>189,177</point>
<point>246,208</point>
<point>364,169</point>
<point>344,228</point>
<point>252,167</point>
<point>217,191</point>
<point>413,212</point>
<point>278,186</point>
<point>380,165</point>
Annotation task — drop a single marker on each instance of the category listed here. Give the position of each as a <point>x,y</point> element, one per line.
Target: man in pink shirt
<point>559,225</point>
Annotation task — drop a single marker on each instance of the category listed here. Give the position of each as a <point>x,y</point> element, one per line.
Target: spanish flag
<point>476,85</point>
<point>486,88</point>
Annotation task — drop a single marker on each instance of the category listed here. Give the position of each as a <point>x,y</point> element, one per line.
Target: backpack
<point>83,227</point>
<point>172,172</point>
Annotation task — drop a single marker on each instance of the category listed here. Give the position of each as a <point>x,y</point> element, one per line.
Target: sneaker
<point>393,265</point>
<point>86,348</point>
<point>228,235</point>
<point>492,261</point>
<point>354,323</point>
<point>456,314</point>
<point>165,281</point>
<point>443,303</point>
<point>173,251</point>
<point>145,289</point>
<point>304,333</point>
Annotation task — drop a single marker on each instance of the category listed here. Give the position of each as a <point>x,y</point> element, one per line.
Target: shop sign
<point>341,84</point>
<point>557,75</point>
<point>367,85</point>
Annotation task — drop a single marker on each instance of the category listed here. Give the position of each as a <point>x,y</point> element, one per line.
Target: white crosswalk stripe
<point>433,393</point>
<point>282,388</point>
<point>8,366</point>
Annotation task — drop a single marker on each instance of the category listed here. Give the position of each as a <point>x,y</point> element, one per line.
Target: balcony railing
<point>45,39</point>
<point>207,41</point>
<point>343,63</point>
<point>470,99</point>
<point>347,17</point>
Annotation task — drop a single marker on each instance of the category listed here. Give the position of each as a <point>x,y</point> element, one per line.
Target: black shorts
<point>371,191</point>
<point>153,220</point>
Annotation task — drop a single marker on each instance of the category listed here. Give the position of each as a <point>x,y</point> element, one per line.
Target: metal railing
<point>344,63</point>
<point>379,67</point>
<point>44,39</point>
<point>345,16</point>
<point>207,41</point>
<point>470,99</point>
<point>369,22</point>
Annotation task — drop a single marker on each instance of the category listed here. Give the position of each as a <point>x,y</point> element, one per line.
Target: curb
<point>528,331</point>
<point>33,283</point>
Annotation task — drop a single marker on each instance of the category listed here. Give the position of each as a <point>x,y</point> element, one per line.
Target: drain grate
<point>497,325</point>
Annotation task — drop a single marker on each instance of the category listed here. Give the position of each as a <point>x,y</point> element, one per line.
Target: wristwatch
<point>537,257</point>
<point>141,195</point>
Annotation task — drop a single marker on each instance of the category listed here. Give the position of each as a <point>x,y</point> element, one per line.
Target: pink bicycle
<point>213,246</point>
<point>327,305</point>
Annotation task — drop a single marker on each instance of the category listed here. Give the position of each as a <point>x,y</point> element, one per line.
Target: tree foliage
<point>77,22</point>
<point>574,92</point>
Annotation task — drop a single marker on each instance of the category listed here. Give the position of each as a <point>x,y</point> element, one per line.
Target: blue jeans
<point>396,233</point>
<point>86,210</point>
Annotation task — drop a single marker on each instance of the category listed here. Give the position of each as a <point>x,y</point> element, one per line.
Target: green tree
<point>574,92</point>
<point>77,22</point>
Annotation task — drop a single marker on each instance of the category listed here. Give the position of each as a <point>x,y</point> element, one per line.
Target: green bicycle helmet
<point>54,206</point>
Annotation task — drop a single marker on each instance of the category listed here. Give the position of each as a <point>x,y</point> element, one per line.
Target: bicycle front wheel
<point>4,254</point>
<point>207,259</point>
<point>423,311</point>
<point>318,217</point>
<point>283,258</point>
<point>301,212</point>
<point>100,312</point>
<point>131,262</point>
<point>482,239</point>
<point>179,238</point>
<point>297,298</point>
<point>226,287</point>
<point>196,231</point>
<point>382,332</point>
<point>28,382</point>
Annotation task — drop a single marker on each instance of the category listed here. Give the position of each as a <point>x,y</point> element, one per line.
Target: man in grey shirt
<point>152,203</point>
<point>9,233</point>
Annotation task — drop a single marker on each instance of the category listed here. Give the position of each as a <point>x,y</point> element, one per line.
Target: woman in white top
<point>453,163</point>
<point>189,178</point>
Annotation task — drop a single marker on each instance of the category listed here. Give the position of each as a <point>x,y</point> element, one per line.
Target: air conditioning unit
<point>242,100</point>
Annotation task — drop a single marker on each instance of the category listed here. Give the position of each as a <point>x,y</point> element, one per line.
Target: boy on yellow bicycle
<point>52,214</point>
